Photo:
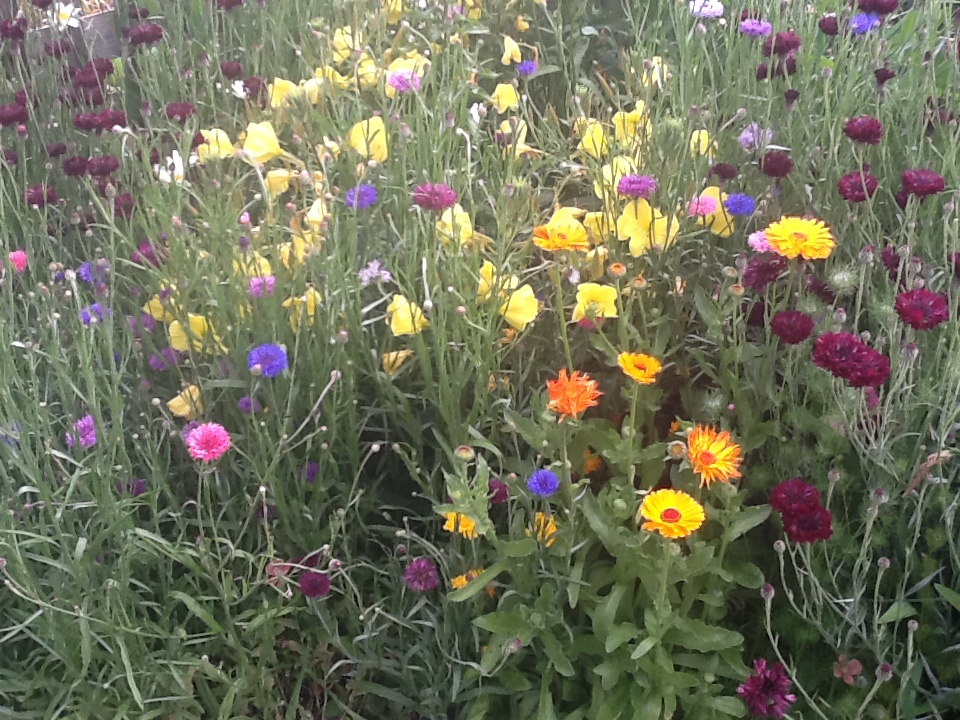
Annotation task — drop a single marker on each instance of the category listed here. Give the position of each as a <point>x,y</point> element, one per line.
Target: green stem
<point>555,272</point>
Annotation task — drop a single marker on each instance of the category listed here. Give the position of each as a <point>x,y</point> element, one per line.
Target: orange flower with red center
<point>570,396</point>
<point>713,455</point>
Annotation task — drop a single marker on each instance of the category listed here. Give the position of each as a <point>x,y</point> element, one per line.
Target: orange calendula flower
<point>459,523</point>
<point>564,232</point>
<point>713,455</point>
<point>461,580</point>
<point>591,461</point>
<point>642,368</point>
<point>672,513</point>
<point>570,396</point>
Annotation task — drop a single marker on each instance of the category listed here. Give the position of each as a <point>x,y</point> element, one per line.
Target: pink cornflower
<point>702,206</point>
<point>207,442</point>
<point>758,242</point>
<point>767,691</point>
<point>434,196</point>
<point>404,81</point>
<point>18,258</point>
<point>259,286</point>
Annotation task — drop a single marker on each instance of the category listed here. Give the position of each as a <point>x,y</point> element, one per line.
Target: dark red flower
<point>13,114</point>
<point>883,76</point>
<point>75,166</point>
<point>231,69</point>
<point>112,118</point>
<point>40,195</point>
<point>88,122</point>
<point>136,13</point>
<point>767,692</point>
<point>25,98</point>
<point>42,4</point>
<point>101,66</point>
<point>56,149</point>
<point>829,25</point>
<point>229,4</point>
<point>809,526</point>
<point>103,165</point>
<point>891,261</point>
<point>792,326</point>
<point>864,129</point>
<point>835,352</point>
<point>58,48</point>
<point>180,111</point>
<point>10,157</point>
<point>724,171</point>
<point>922,309</point>
<point>776,164</point>
<point>782,44</point>
<point>790,97</point>
<point>257,90</point>
<point>955,260</point>
<point>145,34</point>
<point>314,584</point>
<point>901,196</point>
<point>763,269</point>
<point>794,496</point>
<point>922,182</point>
<point>880,7</point>
<point>756,313</point>
<point>786,67</point>
<point>13,30</point>
<point>820,289</point>
<point>871,369</point>
<point>123,205</point>
<point>856,187</point>
<point>91,96</point>
<point>763,71</point>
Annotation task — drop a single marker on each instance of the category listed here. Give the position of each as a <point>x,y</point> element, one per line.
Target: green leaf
<point>478,710</point>
<point>727,705</point>
<point>477,584</point>
<point>501,622</point>
<point>747,519</point>
<point>518,548</point>
<point>619,634</point>
<point>745,574</point>
<point>900,610</point>
<point>201,612</point>
<point>951,596</point>
<point>643,647</point>
<point>546,711</point>
<point>573,587</point>
<point>556,654</point>
<point>697,635</point>
<point>708,310</point>
<point>128,670</point>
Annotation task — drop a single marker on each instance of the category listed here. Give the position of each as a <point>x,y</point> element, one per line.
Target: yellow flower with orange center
<point>713,455</point>
<point>642,368</point>
<point>563,233</point>
<point>811,239</point>
<point>571,396</point>
<point>672,513</point>
<point>461,524</point>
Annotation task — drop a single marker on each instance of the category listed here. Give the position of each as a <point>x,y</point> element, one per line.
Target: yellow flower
<point>161,309</point>
<point>317,214</point>
<point>672,513</point>
<point>333,77</point>
<point>277,182</point>
<point>505,97</point>
<point>490,280</point>
<point>393,10</point>
<point>306,303</point>
<point>198,335</point>
<point>645,227</point>
<point>261,144</point>
<point>187,404</point>
<point>719,222</point>
<point>391,361</point>
<point>600,226</point>
<point>521,24</point>
<point>459,523</point>
<point>217,145</point>
<point>369,139</point>
<point>514,133</point>
<point>281,90</point>
<point>655,73</point>
<point>368,72</point>
<point>545,528</point>
<point>701,144</point>
<point>405,317</point>
<point>632,127</point>
<point>642,368</point>
<point>461,580</point>
<point>792,236</point>
<point>595,301</point>
<point>593,140</point>
<point>345,42</point>
<point>610,174</point>
<point>474,8</point>
<point>713,455</point>
<point>521,308</point>
<point>455,225</point>
<point>563,232</point>
<point>511,51</point>
<point>251,264</point>
<point>596,261</point>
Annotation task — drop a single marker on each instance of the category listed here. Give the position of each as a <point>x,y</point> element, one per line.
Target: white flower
<point>239,89</point>
<point>66,15</point>
<point>173,171</point>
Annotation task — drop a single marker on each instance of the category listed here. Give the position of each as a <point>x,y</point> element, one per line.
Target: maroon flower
<point>786,67</point>
<point>880,7</point>
<point>147,253</point>
<point>922,309</point>
<point>314,584</point>
<point>891,261</point>
<point>75,166</point>
<point>88,122</point>
<point>112,118</point>
<point>955,261</point>
<point>763,71</point>
<point>229,4</point>
<point>123,205</point>
<point>145,34</point>
<point>782,44</point>
<point>10,157</point>
<point>421,575</point>
<point>763,269</point>
<point>829,25</point>
<point>724,171</point>
<point>871,369</point>
<point>13,30</point>
<point>820,289</point>
<point>231,69</point>
<point>42,4</point>
<point>809,526</point>
<point>180,111</point>
<point>792,326</point>
<point>922,182</point>
<point>256,89</point>
<point>835,352</point>
<point>856,187</point>
<point>756,313</point>
<point>136,13</point>
<point>434,196</point>
<point>864,129</point>
<point>794,496</point>
<point>13,114</point>
<point>883,76</point>
<point>58,48</point>
<point>40,195</point>
<point>103,165</point>
<point>767,691</point>
<point>790,98</point>
<point>499,492</point>
<point>776,164</point>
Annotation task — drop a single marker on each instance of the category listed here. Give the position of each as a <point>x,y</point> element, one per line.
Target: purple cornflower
<point>755,137</point>
<point>167,358</point>
<point>94,273</point>
<point>434,196</point>
<point>404,81</point>
<point>740,204</point>
<point>134,488</point>
<point>755,28</point>
<point>360,197</point>
<point>637,186</point>
<point>259,286</point>
<point>499,492</point>
<point>862,23</point>
<point>374,272</point>
<point>527,68</point>
<point>249,405</point>
<point>84,431</point>
<point>543,482</point>
<point>766,692</point>
<point>421,575</point>
<point>94,313</point>
<point>268,360</point>
<point>310,471</point>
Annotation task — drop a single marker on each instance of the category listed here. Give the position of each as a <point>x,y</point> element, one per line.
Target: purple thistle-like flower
<point>637,186</point>
<point>755,28</point>
<point>499,491</point>
<point>270,359</point>
<point>94,313</point>
<point>527,68</point>
<point>314,584</point>
<point>249,405</point>
<point>360,197</point>
<point>374,271</point>
<point>434,196</point>
<point>134,488</point>
<point>543,482</point>
<point>862,23</point>
<point>421,575</point>
<point>404,81</point>
<point>767,691</point>
<point>166,359</point>
<point>310,471</point>
<point>84,432</point>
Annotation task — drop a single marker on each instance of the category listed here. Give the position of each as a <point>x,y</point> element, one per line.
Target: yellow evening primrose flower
<point>595,301</point>
<point>216,145</point>
<point>187,404</point>
<point>490,281</point>
<point>719,222</point>
<point>474,9</point>
<point>251,264</point>
<point>393,10</point>
<point>702,144</point>
<point>596,263</point>
<point>261,144</point>
<point>368,72</point>
<point>610,174</point>
<point>455,225</point>
<point>345,42</point>
<point>333,77</point>
<point>645,227</point>
<point>282,90</point>
<point>198,335</point>
<point>277,182</point>
<point>391,361</point>
<point>304,306</point>
<point>369,139</point>
<point>545,529</point>
<point>161,309</point>
<point>593,140</point>
<point>317,214</point>
<point>405,317</point>
<point>600,226</point>
<point>655,73</point>
<point>521,308</point>
<point>632,127</point>
<point>514,134</point>
<point>505,97</point>
<point>294,252</point>
<point>511,51</point>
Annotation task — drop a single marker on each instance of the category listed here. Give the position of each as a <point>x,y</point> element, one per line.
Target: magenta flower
<point>83,432</point>
<point>421,575</point>
<point>766,692</point>
<point>207,442</point>
<point>434,196</point>
<point>922,309</point>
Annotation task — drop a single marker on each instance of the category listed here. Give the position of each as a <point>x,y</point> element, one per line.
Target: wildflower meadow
<point>480,359</point>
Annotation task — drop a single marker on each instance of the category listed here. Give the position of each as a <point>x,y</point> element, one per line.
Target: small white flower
<point>66,15</point>
<point>173,170</point>
<point>239,89</point>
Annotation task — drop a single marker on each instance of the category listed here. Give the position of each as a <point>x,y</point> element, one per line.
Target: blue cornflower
<point>249,405</point>
<point>527,68</point>
<point>361,197</point>
<point>94,313</point>
<point>863,22</point>
<point>740,204</point>
<point>94,273</point>
<point>543,483</point>
<point>270,359</point>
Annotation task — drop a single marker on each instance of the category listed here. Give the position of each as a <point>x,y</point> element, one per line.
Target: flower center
<point>798,236</point>
<point>707,458</point>
<point>670,515</point>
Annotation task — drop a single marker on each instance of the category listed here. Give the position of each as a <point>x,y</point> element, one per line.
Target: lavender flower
<point>83,431</point>
<point>94,313</point>
<point>755,28</point>
<point>755,137</point>
<point>862,23</point>
<point>374,272</point>
<point>404,81</point>
<point>249,405</point>
<point>259,286</point>
<point>706,8</point>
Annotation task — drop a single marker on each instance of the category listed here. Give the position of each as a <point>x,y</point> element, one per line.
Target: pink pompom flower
<point>18,258</point>
<point>207,442</point>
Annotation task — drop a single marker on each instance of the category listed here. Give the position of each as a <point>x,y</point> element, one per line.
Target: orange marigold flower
<point>713,455</point>
<point>642,368</point>
<point>459,523</point>
<point>570,396</point>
